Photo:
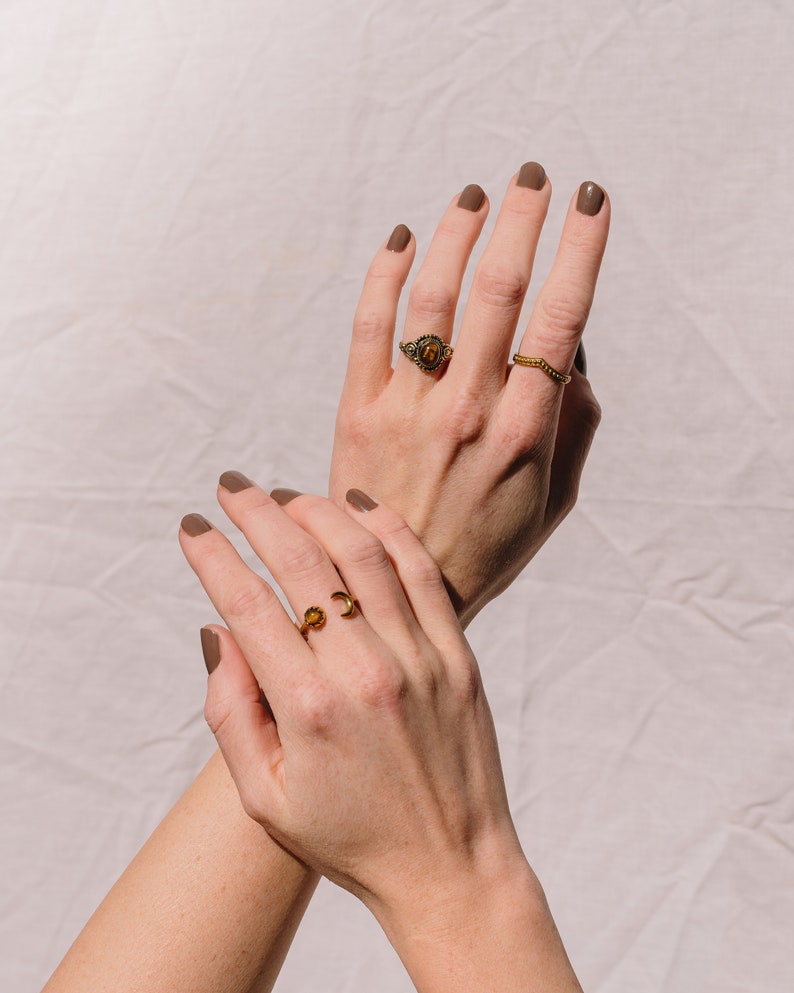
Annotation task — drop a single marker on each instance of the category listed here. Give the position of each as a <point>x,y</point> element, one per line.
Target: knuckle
<point>216,713</point>
<point>253,598</point>
<point>382,687</point>
<point>430,301</point>
<point>466,416</point>
<point>315,707</point>
<point>301,558</point>
<point>500,287</point>
<point>464,680</point>
<point>562,317</point>
<point>526,440</point>
<point>421,573</point>
<point>369,326</point>
<point>367,553</point>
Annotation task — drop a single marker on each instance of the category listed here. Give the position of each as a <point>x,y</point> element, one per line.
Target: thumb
<point>241,720</point>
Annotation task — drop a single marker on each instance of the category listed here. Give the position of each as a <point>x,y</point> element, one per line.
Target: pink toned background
<point>190,193</point>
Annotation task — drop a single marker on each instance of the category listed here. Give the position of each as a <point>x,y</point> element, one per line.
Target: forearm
<point>210,903</point>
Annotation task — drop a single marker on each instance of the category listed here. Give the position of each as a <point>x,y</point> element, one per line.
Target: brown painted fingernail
<point>234,481</point>
<point>195,524</point>
<point>532,175</point>
<point>399,239</point>
<point>590,199</point>
<point>472,198</point>
<point>282,495</point>
<point>580,360</point>
<point>360,500</point>
<point>211,647</point>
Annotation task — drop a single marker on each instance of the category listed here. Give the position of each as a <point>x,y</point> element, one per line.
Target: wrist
<point>488,927</point>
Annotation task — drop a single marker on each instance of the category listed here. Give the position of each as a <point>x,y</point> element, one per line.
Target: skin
<point>498,445</point>
<point>211,902</point>
<point>404,718</point>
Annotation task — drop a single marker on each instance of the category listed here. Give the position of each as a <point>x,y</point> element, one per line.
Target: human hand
<point>368,749</point>
<point>482,459</point>
<point>377,762</point>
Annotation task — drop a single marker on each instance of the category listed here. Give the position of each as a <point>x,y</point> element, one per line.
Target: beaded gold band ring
<point>539,363</point>
<point>428,351</point>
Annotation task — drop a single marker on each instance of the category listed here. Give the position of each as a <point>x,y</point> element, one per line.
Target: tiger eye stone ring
<point>314,617</point>
<point>428,351</point>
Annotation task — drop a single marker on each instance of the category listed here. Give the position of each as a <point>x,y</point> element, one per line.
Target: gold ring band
<point>350,602</point>
<point>313,617</point>
<point>428,351</point>
<point>538,363</point>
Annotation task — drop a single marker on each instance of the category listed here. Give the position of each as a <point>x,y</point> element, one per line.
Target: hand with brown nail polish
<point>328,729</point>
<point>482,458</point>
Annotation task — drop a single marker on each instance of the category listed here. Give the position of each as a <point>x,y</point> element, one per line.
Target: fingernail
<point>399,239</point>
<point>195,524</point>
<point>580,360</point>
<point>282,495</point>
<point>211,647</point>
<point>234,481</point>
<point>360,500</point>
<point>472,198</point>
<point>590,199</point>
<point>532,175</point>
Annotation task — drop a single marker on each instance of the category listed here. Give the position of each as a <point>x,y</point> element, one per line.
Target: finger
<point>501,280</point>
<point>298,562</point>
<point>435,291</point>
<point>418,574</point>
<point>243,726</point>
<point>369,363</point>
<point>361,560</point>
<point>563,304</point>
<point>253,612</point>
<point>580,415</point>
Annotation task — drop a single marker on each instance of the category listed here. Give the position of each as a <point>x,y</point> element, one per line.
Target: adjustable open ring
<point>314,617</point>
<point>350,602</point>
<point>543,365</point>
<point>428,351</point>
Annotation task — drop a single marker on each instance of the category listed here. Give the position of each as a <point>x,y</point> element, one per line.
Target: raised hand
<point>481,457</point>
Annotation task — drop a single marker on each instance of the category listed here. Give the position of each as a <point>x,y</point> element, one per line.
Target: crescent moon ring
<point>350,603</point>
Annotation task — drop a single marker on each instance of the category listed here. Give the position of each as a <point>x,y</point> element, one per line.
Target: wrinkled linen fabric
<point>189,197</point>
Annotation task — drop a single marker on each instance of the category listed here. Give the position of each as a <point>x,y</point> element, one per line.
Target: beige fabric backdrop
<point>189,196</point>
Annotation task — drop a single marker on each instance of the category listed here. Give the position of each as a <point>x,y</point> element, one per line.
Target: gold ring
<point>538,363</point>
<point>428,351</point>
<point>350,602</point>
<point>314,617</point>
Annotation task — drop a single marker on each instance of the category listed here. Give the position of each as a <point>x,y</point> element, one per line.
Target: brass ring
<point>428,351</point>
<point>313,617</point>
<point>543,365</point>
<point>350,603</point>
